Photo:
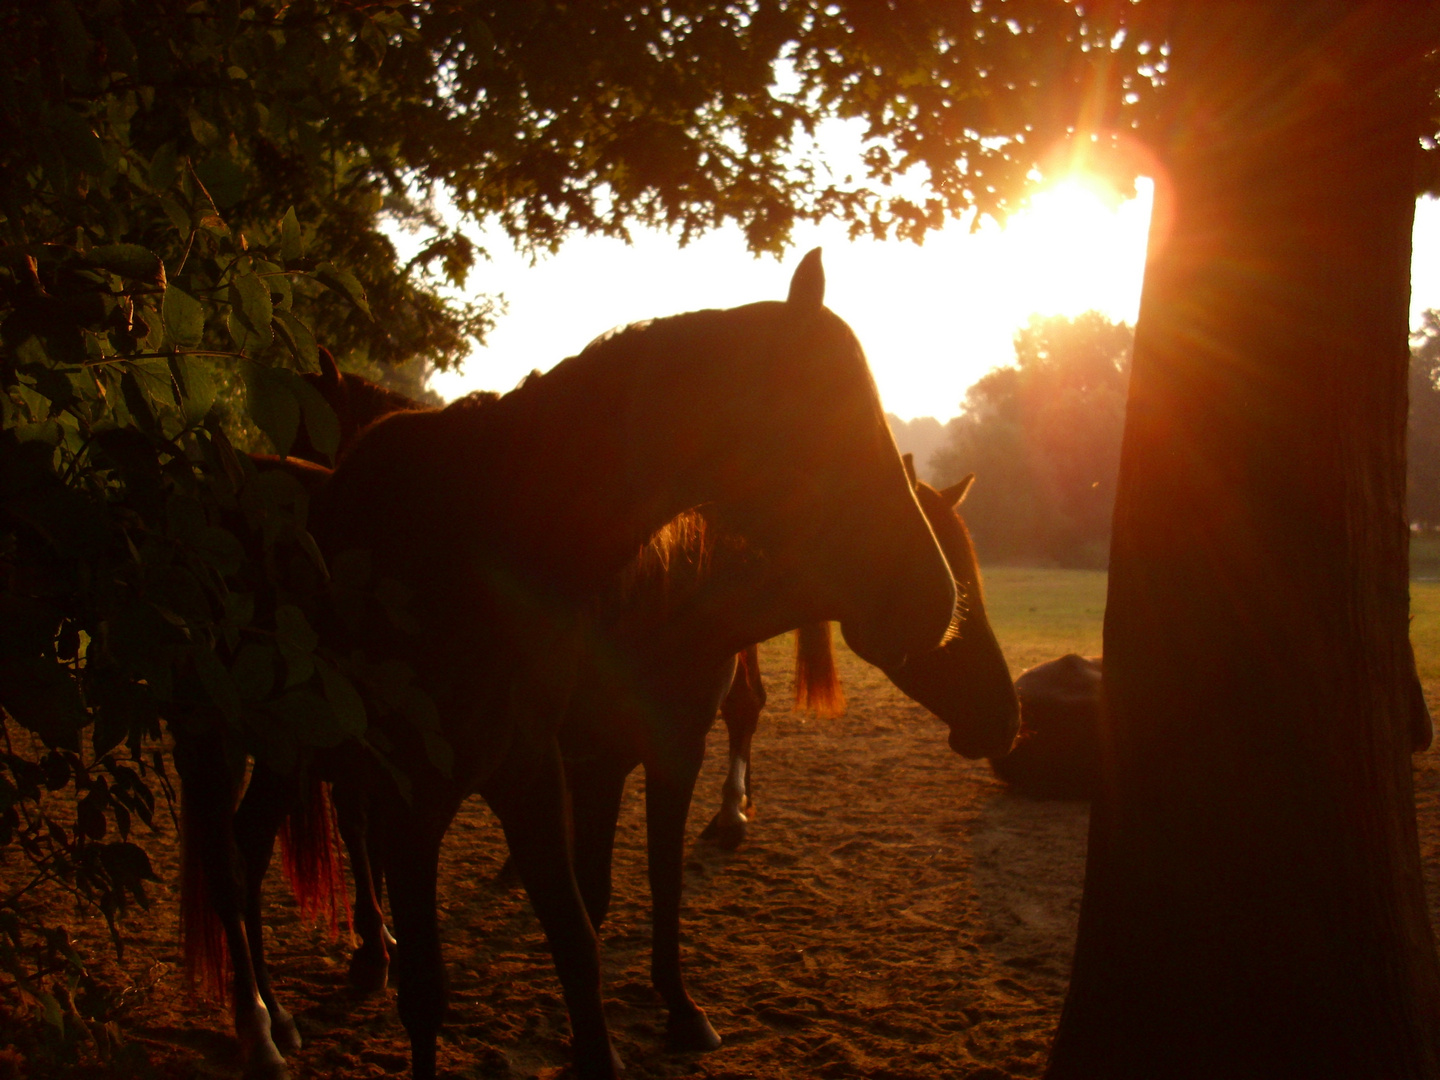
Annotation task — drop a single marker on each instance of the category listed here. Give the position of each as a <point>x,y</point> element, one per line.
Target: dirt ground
<point>896,913</point>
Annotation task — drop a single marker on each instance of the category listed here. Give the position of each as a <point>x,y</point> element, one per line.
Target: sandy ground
<point>895,914</point>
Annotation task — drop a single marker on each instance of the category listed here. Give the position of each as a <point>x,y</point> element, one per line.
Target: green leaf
<point>164,168</point>
<point>205,132</point>
<point>272,402</point>
<point>299,340</point>
<point>250,313</point>
<point>128,260</point>
<point>184,318</point>
<point>197,387</point>
<point>50,1010</point>
<point>138,402</point>
<point>281,295</point>
<point>178,215</point>
<point>292,245</point>
<point>155,378</point>
<point>321,423</point>
<point>344,283</point>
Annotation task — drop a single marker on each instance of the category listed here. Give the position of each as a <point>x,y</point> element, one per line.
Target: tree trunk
<point>1253,900</point>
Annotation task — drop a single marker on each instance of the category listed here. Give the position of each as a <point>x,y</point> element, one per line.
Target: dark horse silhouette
<point>506,520</point>
<point>623,715</point>
<point>657,705</point>
<point>635,700</point>
<point>965,682</point>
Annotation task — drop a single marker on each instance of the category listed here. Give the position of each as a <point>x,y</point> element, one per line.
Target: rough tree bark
<point>1253,900</point>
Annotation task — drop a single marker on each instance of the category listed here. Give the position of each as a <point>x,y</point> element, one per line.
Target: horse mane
<point>940,511</point>
<point>684,541</point>
<point>817,682</point>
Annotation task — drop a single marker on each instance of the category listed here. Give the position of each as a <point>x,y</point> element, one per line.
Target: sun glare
<point>1079,249</point>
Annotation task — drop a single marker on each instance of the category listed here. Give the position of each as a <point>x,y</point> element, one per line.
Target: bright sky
<point>933,319</point>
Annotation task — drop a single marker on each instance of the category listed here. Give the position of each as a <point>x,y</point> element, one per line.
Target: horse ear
<point>329,371</point>
<point>954,494</point>
<point>807,287</point>
<point>909,461</point>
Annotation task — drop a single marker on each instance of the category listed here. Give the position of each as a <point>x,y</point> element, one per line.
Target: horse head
<point>797,458</point>
<point>966,681</point>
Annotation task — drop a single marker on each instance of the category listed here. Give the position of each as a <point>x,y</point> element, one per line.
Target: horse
<point>656,708</point>
<point>966,682</point>
<point>765,414</point>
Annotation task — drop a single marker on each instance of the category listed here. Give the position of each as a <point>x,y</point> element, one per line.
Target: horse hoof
<point>283,1032</point>
<point>367,974</point>
<point>267,1066</point>
<point>726,835</point>
<point>690,1034</point>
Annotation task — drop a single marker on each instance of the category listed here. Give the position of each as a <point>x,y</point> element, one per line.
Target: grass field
<point>1041,614</point>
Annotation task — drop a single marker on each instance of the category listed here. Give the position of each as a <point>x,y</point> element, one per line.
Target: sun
<point>1079,246</point>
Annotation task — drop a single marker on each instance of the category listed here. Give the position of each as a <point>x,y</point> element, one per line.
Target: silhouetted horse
<point>657,705</point>
<point>226,849</point>
<point>506,520</point>
<point>965,682</point>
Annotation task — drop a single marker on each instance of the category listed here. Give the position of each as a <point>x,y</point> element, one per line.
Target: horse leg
<point>267,801</point>
<point>531,806</point>
<point>741,712</point>
<point>214,876</point>
<point>411,870</point>
<point>370,963</point>
<point>667,804</point>
<point>595,795</point>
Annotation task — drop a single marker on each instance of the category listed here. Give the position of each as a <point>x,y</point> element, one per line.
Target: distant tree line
<point>1423,438</point>
<point>1043,437</point>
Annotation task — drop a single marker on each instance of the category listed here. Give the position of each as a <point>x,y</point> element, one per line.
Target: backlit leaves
<point>184,318</point>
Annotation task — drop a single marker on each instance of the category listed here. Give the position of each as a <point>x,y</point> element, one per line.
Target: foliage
<point>152,256</point>
<point>1043,438</point>
<point>1423,430</point>
<point>589,117</point>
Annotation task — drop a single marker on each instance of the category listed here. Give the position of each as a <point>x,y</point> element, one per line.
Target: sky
<point>932,318</point>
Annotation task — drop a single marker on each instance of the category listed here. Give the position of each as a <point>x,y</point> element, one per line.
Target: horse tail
<point>817,683</point>
<point>309,853</point>
<point>207,956</point>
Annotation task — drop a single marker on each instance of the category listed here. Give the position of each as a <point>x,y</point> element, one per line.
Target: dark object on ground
<point>1057,753</point>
